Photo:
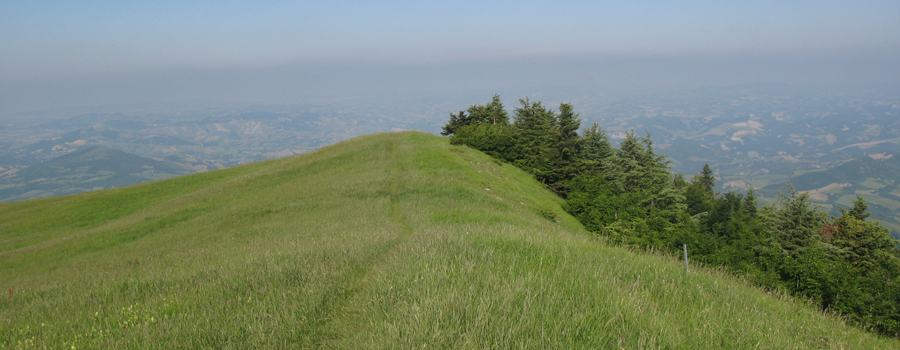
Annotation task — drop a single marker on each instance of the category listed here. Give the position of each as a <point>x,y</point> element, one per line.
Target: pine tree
<point>629,165</point>
<point>793,221</point>
<point>863,242</point>
<point>678,182</point>
<point>495,112</point>
<point>749,206</point>
<point>638,169</point>
<point>596,151</point>
<point>866,290</point>
<point>491,113</point>
<point>567,126</point>
<point>536,132</point>
<point>567,163</point>
<point>707,180</point>
<point>860,209</point>
<point>700,194</point>
<point>456,121</point>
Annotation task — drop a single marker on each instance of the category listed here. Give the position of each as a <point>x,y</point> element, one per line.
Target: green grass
<point>384,241</point>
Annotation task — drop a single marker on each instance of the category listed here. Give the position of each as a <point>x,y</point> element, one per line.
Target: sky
<point>59,53</point>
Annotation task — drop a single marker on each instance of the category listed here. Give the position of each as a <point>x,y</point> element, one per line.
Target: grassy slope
<point>384,241</point>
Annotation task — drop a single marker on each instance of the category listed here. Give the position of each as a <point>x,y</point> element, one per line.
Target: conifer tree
<point>750,204</point>
<point>596,151</point>
<point>700,194</point>
<point>567,163</point>
<point>707,180</point>
<point>536,131</point>
<point>496,112</point>
<point>629,164</point>
<point>678,182</point>
<point>863,242</point>
<point>793,221</point>
<point>860,209</point>
<point>456,121</point>
<point>640,170</point>
<point>567,126</point>
<point>491,113</point>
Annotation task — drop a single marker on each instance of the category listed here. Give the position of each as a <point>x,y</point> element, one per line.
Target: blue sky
<point>43,41</point>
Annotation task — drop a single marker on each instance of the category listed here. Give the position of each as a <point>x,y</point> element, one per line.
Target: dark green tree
<point>536,133</point>
<point>567,132</point>
<point>496,140</point>
<point>491,113</point>
<point>865,288</point>
<point>596,151</point>
<point>794,221</point>
<point>750,205</point>
<point>633,197</point>
<point>863,243</point>
<point>707,180</point>
<point>568,163</point>
<point>860,209</point>
<point>699,195</point>
<point>456,121</point>
<point>639,169</point>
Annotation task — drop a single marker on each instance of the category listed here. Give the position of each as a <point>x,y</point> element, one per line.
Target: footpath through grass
<point>384,241</point>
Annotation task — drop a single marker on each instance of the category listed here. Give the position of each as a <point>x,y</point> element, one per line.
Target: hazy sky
<point>94,52</point>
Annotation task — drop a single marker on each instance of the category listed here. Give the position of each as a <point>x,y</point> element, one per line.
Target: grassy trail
<point>371,270</point>
<point>385,241</point>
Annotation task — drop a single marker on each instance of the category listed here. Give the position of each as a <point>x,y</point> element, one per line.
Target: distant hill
<point>87,169</point>
<point>885,171</point>
<point>875,178</point>
<point>382,242</point>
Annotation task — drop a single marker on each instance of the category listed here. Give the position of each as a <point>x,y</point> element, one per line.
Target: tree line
<point>629,194</point>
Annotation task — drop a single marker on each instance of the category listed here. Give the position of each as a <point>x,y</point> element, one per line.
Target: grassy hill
<point>384,241</point>
<point>88,169</point>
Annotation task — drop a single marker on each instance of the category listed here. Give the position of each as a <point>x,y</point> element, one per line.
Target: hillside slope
<point>384,241</point>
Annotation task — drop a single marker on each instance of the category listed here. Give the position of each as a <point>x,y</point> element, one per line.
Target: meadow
<point>394,240</point>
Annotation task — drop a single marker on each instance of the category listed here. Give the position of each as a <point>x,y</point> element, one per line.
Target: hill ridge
<point>383,241</point>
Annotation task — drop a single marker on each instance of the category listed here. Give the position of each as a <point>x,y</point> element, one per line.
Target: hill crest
<point>384,241</point>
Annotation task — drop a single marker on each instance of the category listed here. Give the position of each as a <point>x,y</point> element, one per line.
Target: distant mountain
<point>87,169</point>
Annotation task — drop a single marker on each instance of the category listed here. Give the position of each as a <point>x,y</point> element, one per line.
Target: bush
<point>496,140</point>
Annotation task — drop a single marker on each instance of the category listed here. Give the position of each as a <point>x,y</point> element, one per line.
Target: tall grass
<point>385,241</point>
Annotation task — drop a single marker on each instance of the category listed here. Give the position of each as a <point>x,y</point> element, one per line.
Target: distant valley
<point>87,169</point>
<point>874,178</point>
<point>43,156</point>
<point>764,136</point>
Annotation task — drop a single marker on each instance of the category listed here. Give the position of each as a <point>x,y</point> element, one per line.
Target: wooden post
<point>685,258</point>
